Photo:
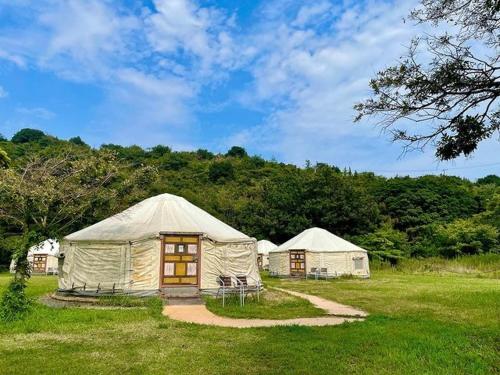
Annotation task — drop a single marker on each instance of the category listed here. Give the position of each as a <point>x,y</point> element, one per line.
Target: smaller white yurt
<point>263,248</point>
<point>42,257</point>
<point>317,250</point>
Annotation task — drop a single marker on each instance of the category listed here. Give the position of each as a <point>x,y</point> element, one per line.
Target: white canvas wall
<point>339,263</point>
<point>135,266</point>
<point>279,263</point>
<point>228,259</point>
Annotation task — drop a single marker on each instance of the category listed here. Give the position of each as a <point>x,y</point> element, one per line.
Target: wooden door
<point>297,262</point>
<point>39,263</point>
<point>180,255</point>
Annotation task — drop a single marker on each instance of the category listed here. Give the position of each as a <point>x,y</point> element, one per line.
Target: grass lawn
<point>273,304</point>
<point>419,324</point>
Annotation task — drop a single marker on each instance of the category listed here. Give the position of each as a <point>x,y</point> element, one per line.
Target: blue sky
<point>278,77</point>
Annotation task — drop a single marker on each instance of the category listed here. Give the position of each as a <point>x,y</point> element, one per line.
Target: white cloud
<point>38,112</point>
<point>201,33</point>
<point>309,63</point>
<point>18,60</point>
<point>314,75</point>
<point>3,93</point>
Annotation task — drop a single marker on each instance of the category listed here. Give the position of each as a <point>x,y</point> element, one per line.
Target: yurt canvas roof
<point>161,213</point>
<point>264,246</point>
<point>317,240</point>
<point>49,247</point>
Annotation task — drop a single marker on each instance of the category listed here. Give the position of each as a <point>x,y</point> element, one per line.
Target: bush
<point>159,150</point>
<point>14,304</point>
<point>203,154</point>
<point>28,135</point>
<point>385,244</point>
<point>174,162</point>
<point>237,152</point>
<point>221,171</point>
<point>466,237</point>
<point>77,141</point>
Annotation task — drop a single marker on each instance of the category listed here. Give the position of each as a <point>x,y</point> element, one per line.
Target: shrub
<point>203,154</point>
<point>221,171</point>
<point>77,141</point>
<point>466,237</point>
<point>237,152</point>
<point>14,304</point>
<point>385,244</point>
<point>174,162</point>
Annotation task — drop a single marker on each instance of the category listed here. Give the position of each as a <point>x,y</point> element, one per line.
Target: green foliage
<point>262,198</point>
<point>454,86</point>
<point>203,154</point>
<point>159,150</point>
<point>385,244</point>
<point>466,237</point>
<point>173,161</point>
<point>221,171</point>
<point>2,138</point>
<point>4,159</point>
<point>237,152</point>
<point>490,179</point>
<point>14,303</point>
<point>77,141</point>
<point>28,135</point>
<point>413,202</point>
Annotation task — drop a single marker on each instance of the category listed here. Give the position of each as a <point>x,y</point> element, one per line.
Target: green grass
<point>419,324</point>
<point>485,265</point>
<point>273,304</point>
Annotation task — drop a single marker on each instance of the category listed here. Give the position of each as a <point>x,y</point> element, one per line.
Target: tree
<point>221,171</point>
<point>454,97</point>
<point>385,244</point>
<point>2,138</point>
<point>77,141</point>
<point>44,199</point>
<point>465,237</point>
<point>490,179</point>
<point>237,152</point>
<point>28,135</point>
<point>159,150</point>
<point>203,154</point>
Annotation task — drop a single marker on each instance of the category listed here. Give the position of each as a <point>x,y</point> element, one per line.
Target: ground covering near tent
<point>420,322</point>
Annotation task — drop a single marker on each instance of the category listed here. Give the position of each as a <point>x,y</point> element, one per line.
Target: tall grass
<point>484,265</point>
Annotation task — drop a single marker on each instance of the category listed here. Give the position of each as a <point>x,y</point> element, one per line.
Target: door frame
<point>290,262</point>
<point>163,236</point>
<point>45,256</point>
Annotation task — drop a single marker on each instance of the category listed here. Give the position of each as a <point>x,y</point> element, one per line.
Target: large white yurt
<point>162,242</point>
<point>316,249</point>
<point>42,257</point>
<point>263,248</point>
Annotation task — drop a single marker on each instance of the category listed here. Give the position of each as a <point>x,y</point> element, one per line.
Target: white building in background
<point>316,250</point>
<point>43,258</point>
<point>263,248</point>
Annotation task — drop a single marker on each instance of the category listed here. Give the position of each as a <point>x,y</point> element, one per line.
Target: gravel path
<point>199,314</point>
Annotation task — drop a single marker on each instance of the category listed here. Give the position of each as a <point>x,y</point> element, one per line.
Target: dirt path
<point>331,308</point>
<point>199,314</point>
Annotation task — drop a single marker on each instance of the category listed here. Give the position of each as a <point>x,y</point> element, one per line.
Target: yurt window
<point>358,263</point>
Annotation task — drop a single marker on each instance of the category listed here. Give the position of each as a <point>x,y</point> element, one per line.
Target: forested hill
<point>391,217</point>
